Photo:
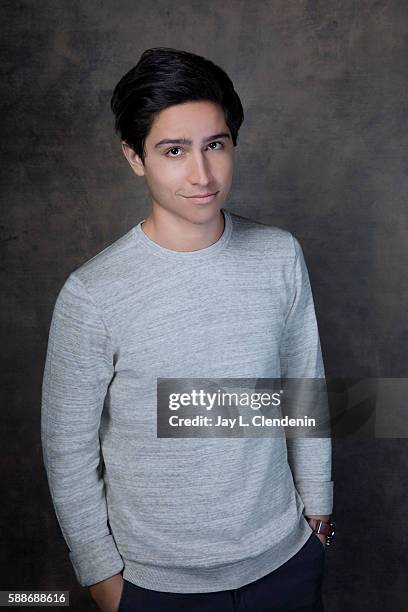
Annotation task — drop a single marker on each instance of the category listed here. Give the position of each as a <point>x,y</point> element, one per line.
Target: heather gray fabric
<point>180,515</point>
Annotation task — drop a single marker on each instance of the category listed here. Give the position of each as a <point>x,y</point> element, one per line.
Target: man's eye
<point>173,149</point>
<point>217,142</point>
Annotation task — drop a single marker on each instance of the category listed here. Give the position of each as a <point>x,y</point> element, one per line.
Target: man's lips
<point>202,195</point>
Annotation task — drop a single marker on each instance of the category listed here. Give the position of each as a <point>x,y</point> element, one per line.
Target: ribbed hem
<point>317,496</point>
<point>220,577</point>
<point>96,561</point>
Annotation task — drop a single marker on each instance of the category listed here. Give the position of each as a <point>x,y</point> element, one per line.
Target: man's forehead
<point>190,120</point>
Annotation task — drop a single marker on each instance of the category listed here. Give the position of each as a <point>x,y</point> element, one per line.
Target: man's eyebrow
<point>186,141</point>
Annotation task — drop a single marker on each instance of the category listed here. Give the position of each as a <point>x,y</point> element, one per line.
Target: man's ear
<point>133,158</point>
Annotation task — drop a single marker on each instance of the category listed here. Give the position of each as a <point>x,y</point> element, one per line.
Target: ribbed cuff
<point>96,561</point>
<point>316,495</point>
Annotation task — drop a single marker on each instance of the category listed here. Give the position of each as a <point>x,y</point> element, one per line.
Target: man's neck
<point>178,234</point>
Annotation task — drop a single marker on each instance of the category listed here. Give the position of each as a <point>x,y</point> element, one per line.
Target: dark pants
<point>295,585</point>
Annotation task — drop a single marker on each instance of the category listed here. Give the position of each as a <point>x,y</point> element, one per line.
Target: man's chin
<point>203,214</point>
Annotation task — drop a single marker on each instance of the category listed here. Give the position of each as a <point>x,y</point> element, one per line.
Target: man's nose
<point>199,170</point>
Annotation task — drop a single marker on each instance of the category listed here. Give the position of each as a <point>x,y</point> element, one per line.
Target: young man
<point>192,291</point>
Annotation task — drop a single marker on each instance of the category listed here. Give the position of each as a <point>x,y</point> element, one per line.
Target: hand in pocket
<point>108,593</point>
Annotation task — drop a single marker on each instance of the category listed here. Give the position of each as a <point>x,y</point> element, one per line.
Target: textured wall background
<point>322,152</point>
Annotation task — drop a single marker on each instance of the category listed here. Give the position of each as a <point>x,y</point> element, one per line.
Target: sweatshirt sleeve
<point>300,354</point>
<point>78,369</point>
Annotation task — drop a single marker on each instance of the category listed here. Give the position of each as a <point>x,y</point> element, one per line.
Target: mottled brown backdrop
<point>322,152</point>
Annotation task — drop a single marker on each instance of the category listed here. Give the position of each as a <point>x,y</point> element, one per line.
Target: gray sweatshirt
<point>188,514</point>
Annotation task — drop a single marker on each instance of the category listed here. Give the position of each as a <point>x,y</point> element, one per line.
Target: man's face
<point>200,163</point>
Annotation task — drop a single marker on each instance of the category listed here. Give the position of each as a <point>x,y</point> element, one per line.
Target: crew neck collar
<point>209,251</point>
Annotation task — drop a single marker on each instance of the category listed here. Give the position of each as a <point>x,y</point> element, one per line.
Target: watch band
<point>327,529</point>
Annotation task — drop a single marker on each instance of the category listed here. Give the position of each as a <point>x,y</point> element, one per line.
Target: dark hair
<point>164,77</point>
